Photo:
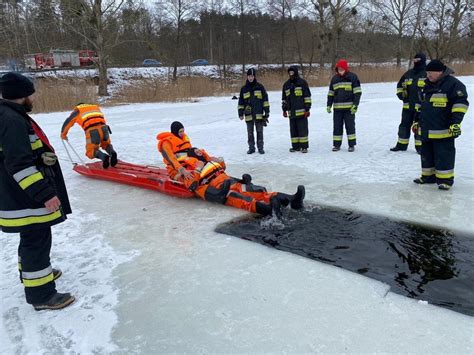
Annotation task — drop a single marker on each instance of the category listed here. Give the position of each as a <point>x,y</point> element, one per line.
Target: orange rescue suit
<point>92,121</point>
<point>210,182</point>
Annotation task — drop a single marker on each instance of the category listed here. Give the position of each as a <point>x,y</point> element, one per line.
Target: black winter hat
<point>251,71</point>
<point>436,65</point>
<point>16,86</point>
<point>293,68</point>
<point>421,56</point>
<point>175,127</point>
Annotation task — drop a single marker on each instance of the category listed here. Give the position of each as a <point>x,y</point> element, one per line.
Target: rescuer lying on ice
<point>92,121</point>
<point>205,176</point>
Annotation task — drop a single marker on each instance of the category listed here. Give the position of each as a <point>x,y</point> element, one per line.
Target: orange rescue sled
<point>147,177</point>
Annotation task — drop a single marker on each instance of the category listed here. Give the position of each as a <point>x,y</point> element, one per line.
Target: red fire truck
<point>59,58</point>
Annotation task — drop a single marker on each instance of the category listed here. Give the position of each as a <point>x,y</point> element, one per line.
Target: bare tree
<point>445,23</point>
<point>321,12</point>
<point>98,27</point>
<point>397,17</point>
<point>279,9</point>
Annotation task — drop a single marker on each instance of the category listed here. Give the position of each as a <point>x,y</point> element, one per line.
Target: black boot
<point>57,301</point>
<point>246,179</point>
<point>251,151</point>
<point>298,197</point>
<point>113,159</point>
<point>106,161</point>
<point>398,148</point>
<point>285,199</point>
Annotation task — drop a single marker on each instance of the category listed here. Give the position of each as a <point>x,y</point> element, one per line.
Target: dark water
<point>416,261</point>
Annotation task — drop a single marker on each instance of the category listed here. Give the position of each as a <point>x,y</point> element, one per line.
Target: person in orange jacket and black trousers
<point>296,105</point>
<point>205,176</point>
<point>92,121</point>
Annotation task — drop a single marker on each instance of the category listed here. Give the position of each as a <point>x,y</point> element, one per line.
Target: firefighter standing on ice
<point>344,94</point>
<point>92,121</point>
<point>33,196</point>
<point>296,105</point>
<point>408,90</point>
<point>255,109</point>
<point>443,105</point>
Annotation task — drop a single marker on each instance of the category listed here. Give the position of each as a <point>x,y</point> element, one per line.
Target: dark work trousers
<point>404,131</point>
<point>33,253</point>
<point>344,118</point>
<point>251,139</point>
<point>437,159</point>
<point>299,133</point>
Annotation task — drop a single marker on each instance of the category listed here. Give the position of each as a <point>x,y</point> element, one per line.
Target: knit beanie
<point>175,127</point>
<point>435,65</point>
<point>15,86</point>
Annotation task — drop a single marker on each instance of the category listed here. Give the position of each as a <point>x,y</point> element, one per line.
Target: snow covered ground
<point>151,276</point>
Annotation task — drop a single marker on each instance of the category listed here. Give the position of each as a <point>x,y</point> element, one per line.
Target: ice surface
<point>151,275</point>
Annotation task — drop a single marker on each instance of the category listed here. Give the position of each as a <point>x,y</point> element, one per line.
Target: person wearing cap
<point>344,95</point>
<point>443,106</point>
<point>33,192</point>
<point>91,119</point>
<point>254,108</point>
<point>408,91</point>
<point>296,105</point>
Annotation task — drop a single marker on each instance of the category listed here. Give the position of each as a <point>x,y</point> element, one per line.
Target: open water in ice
<point>417,261</point>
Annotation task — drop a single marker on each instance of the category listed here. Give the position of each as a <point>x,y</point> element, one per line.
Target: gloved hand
<point>306,114</point>
<point>64,138</point>
<point>455,129</point>
<point>285,114</point>
<point>353,109</point>
<point>328,109</point>
<point>414,127</point>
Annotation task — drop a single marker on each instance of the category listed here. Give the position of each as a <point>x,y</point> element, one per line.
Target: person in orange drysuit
<point>92,121</point>
<point>205,176</point>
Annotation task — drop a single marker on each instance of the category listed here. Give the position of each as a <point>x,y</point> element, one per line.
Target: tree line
<point>311,32</point>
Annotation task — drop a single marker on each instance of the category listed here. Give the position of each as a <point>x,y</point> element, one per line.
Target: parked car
<point>152,63</point>
<point>200,62</point>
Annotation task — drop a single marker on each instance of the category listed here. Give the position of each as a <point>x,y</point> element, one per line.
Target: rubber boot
<point>57,301</point>
<point>104,157</point>
<point>113,155</point>
<point>298,197</point>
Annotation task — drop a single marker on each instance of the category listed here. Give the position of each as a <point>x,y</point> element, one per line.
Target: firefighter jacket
<point>344,91</point>
<point>26,182</point>
<point>86,116</point>
<point>253,101</point>
<point>296,97</point>
<point>443,103</point>
<point>409,88</point>
<point>174,151</point>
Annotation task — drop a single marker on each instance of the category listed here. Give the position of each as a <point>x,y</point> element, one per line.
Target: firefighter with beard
<point>33,195</point>
<point>296,105</point>
<point>443,106</point>
<point>255,109</point>
<point>344,95</point>
<point>408,90</point>
<point>205,176</point>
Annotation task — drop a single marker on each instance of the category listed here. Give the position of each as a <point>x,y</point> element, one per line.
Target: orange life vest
<point>179,149</point>
<point>89,115</point>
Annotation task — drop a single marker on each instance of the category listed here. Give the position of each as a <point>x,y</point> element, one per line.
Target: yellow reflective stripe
<point>462,108</point>
<point>307,100</point>
<point>287,92</point>
<point>37,144</point>
<point>428,171</point>
<point>266,104</point>
<point>445,174</point>
<point>38,282</point>
<point>304,139</point>
<point>399,90</point>
<point>403,141</point>
<point>421,83</point>
<point>248,117</point>
<point>30,180</point>
<point>241,107</point>
<point>345,86</point>
<point>331,93</point>
<point>408,81</point>
<point>351,137</point>
<point>295,140</point>
<point>246,95</point>
<point>87,115</point>
<point>258,116</point>
<point>25,221</point>
<point>418,143</point>
<point>439,134</point>
<point>337,138</point>
<point>338,105</point>
<point>406,106</point>
<point>299,112</point>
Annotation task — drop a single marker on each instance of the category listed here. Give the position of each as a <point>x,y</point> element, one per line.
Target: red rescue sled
<point>147,177</point>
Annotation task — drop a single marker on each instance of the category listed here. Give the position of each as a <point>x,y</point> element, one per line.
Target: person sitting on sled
<point>206,177</point>
<point>92,121</point>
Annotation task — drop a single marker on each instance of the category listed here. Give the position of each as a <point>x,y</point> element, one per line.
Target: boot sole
<point>62,305</point>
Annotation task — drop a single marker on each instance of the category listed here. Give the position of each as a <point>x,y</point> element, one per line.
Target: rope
<point>69,155</point>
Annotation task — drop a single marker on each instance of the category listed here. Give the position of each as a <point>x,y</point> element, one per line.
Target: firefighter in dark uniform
<point>408,90</point>
<point>255,109</point>
<point>443,105</point>
<point>32,190</point>
<point>296,105</point>
<point>344,94</point>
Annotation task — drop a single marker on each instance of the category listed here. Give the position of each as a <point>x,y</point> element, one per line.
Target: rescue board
<point>147,177</point>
